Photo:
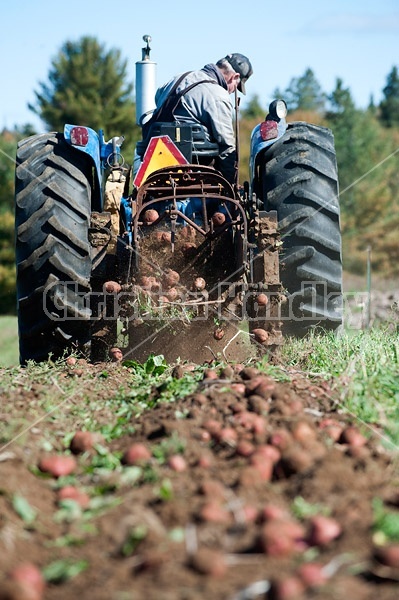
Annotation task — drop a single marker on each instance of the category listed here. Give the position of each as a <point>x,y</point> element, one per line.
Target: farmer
<point>203,97</point>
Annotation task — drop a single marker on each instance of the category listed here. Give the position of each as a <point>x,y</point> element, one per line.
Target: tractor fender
<point>258,144</point>
<point>88,141</point>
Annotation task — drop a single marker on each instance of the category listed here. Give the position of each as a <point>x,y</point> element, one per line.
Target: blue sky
<point>355,40</point>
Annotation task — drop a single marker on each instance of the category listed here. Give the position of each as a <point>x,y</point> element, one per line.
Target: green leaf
<point>23,509</point>
<point>63,570</point>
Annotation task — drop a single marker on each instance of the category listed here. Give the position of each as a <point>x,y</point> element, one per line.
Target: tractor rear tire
<point>53,255</point>
<point>300,182</point>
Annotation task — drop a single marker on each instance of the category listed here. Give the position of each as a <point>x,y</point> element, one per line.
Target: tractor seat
<point>190,138</point>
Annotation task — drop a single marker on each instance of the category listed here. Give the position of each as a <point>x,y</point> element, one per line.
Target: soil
<point>198,527</point>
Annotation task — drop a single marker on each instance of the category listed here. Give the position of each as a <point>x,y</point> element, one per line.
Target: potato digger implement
<point>179,262</point>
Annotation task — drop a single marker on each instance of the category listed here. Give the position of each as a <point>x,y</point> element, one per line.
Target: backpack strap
<point>166,112</point>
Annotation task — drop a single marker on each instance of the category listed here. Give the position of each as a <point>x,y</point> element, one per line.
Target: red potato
<point>166,237</point>
<point>261,335</point>
<point>304,433</point>
<point>57,465</point>
<point>263,466</point>
<point>112,287</point>
<point>177,463</point>
<point>15,590</point>
<point>210,374</point>
<point>227,436</point>
<point>260,385</point>
<point>312,574</point>
<point>352,436</point>
<point>218,334</point>
<point>170,278</point>
<point>279,537</point>
<point>71,361</point>
<point>116,354</point>
<point>213,489</point>
<point>205,461</point>
<point>214,512</point>
<point>29,575</point>
<point>172,294</point>
<point>248,514</point>
<point>212,426</point>
<point>209,562</point>
<point>82,441</point>
<point>323,530</point>
<point>268,452</point>
<point>245,448</point>
<point>199,284</point>
<point>189,249</point>
<point>136,454</point>
<point>296,459</point>
<point>281,439</point>
<point>70,492</point>
<point>150,216</point>
<point>239,388</point>
<point>262,299</point>
<point>247,373</point>
<point>388,555</point>
<point>271,512</point>
<point>218,218</point>
<point>289,588</point>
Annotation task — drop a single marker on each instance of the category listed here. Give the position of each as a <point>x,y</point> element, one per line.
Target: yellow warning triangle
<point>161,152</point>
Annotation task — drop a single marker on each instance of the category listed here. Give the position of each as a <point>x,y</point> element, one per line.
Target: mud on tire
<point>52,216</point>
<point>300,182</point>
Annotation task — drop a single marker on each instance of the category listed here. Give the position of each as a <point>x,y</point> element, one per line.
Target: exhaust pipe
<point>145,84</point>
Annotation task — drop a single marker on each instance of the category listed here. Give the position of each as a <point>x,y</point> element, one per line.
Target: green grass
<point>364,367</point>
<point>9,341</point>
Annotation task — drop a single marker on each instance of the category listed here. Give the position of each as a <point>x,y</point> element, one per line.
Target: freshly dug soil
<point>224,499</point>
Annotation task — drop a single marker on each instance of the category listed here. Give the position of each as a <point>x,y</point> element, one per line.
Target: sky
<point>355,40</point>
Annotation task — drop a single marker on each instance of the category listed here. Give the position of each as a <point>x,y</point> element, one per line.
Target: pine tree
<point>87,86</point>
<point>389,106</point>
<point>303,93</point>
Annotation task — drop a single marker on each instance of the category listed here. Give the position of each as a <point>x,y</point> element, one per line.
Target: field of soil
<point>245,488</point>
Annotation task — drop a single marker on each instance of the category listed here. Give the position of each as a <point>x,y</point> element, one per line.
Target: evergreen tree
<point>389,106</point>
<point>87,86</point>
<point>254,110</point>
<point>303,93</point>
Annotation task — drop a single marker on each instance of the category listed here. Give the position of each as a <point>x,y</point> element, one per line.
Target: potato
<point>82,441</point>
<point>312,574</point>
<point>171,278</point>
<point>262,299</point>
<point>218,218</point>
<point>58,465</point>
<point>209,562</point>
<point>136,454</point>
<point>115,354</point>
<point>323,530</point>
<point>150,216</point>
<point>278,537</point>
<point>199,284</point>
<point>388,555</point>
<point>28,575</point>
<point>70,492</point>
<point>218,334</point>
<point>289,588</point>
<point>214,512</point>
<point>261,335</point>
<point>177,462</point>
<point>352,436</point>
<point>172,294</point>
<point>112,287</point>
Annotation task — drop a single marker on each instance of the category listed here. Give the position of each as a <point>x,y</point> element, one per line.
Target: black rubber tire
<point>300,182</point>
<point>53,256</point>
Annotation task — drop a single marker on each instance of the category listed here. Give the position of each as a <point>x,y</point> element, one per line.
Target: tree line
<point>87,84</point>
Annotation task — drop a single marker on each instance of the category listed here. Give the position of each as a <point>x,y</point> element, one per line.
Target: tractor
<point>166,256</point>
